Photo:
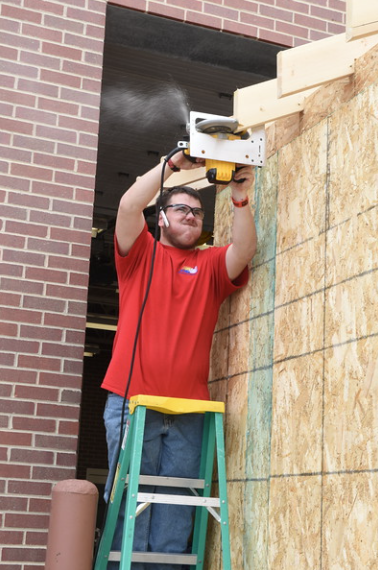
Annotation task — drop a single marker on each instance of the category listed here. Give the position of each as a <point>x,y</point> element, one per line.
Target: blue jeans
<point>171,448</point>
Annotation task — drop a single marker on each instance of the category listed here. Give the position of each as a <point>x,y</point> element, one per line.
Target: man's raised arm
<point>244,238</point>
<point>130,219</point>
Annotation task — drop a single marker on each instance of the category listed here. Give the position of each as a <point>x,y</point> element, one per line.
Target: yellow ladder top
<point>175,405</point>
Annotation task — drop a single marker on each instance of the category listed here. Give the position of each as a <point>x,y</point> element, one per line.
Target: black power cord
<point>137,331</point>
<point>148,286</point>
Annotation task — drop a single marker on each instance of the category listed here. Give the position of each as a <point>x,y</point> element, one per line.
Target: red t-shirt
<point>187,289</point>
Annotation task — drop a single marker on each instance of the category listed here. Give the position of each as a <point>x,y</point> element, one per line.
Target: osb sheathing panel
<point>365,70</point>
<point>265,200</point>
<point>350,525</point>
<point>238,337</point>
<point>294,523</point>
<point>236,493</point>
<point>352,309</point>
<point>261,329</point>
<point>326,100</point>
<point>223,217</point>
<point>297,419</point>
<point>242,344</point>
<point>219,355</point>
<point>298,327</point>
<point>259,425</point>
<point>300,270</point>
<point>281,132</point>
<point>353,182</point>
<point>256,525</point>
<point>301,193</point>
<point>236,426</point>
<point>352,247</point>
<point>237,520</point>
<point>295,355</point>
<point>263,283</point>
<point>222,236</point>
<point>351,406</point>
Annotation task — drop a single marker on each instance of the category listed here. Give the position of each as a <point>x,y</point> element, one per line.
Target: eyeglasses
<point>184,210</point>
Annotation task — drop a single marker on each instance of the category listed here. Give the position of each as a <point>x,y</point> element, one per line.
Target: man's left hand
<point>243,180</point>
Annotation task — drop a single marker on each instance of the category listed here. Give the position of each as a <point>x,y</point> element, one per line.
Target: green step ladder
<point>128,475</point>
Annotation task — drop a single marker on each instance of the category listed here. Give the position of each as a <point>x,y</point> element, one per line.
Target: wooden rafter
<point>259,104</point>
<point>361,18</point>
<point>313,64</point>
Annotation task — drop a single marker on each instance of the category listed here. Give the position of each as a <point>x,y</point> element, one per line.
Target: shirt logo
<point>189,270</point>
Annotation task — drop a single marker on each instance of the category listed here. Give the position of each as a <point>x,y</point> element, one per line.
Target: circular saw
<point>223,144</point>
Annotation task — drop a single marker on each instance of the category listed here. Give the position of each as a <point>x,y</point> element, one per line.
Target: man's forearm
<point>244,237</point>
<point>144,189</point>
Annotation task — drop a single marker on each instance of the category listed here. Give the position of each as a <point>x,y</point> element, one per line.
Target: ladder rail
<point>115,501</point>
<point>206,471</point>
<point>131,502</point>
<point>222,481</point>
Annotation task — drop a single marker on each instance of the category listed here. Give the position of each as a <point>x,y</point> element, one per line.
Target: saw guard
<point>223,146</point>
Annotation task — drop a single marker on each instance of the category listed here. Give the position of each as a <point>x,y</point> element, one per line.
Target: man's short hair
<point>167,195</point>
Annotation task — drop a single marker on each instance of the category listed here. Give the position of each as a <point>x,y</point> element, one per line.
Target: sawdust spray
<point>132,109</point>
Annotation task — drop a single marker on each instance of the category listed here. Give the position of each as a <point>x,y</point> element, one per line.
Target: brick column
<point>50,85</point>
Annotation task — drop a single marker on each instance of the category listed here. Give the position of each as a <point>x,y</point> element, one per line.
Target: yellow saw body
<point>224,145</point>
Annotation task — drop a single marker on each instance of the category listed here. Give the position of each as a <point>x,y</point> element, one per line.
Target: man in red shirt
<point>172,354</point>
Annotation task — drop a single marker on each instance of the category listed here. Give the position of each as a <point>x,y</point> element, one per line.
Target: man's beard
<point>176,241</point>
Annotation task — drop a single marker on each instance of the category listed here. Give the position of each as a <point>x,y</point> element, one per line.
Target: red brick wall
<point>284,22</point>
<point>50,84</point>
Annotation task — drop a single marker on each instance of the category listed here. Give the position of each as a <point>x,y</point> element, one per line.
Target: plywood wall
<point>295,354</point>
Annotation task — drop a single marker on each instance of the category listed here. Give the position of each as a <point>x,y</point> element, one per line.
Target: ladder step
<point>156,557</point>
<point>170,482</point>
<point>178,500</point>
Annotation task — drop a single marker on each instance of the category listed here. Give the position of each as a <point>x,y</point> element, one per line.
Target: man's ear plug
<point>165,219</point>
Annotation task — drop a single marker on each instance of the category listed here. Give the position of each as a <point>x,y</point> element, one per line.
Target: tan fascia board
<point>310,65</point>
<point>361,18</point>
<point>259,104</point>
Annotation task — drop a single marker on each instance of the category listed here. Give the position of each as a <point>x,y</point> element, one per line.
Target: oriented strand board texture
<point>295,354</point>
